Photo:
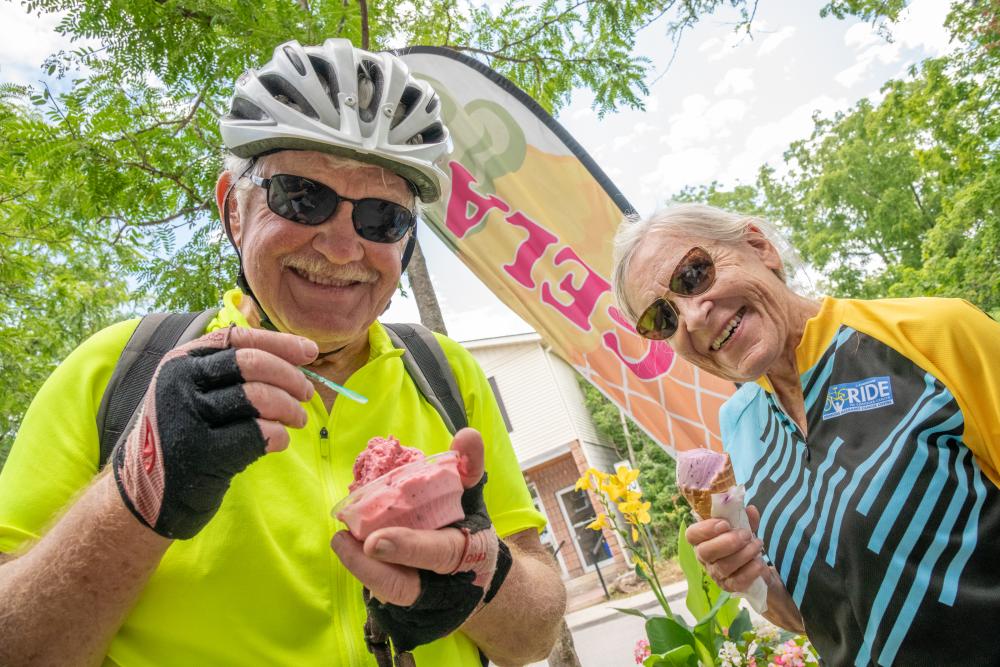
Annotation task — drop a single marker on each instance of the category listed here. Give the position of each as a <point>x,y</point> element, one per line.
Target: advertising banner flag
<point>533,216</point>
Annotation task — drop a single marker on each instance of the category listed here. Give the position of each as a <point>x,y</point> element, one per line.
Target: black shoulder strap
<point>157,334</point>
<point>428,366</point>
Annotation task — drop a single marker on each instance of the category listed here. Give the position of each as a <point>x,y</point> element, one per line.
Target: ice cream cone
<point>701,499</point>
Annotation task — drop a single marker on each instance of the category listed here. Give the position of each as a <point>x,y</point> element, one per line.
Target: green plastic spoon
<point>353,395</point>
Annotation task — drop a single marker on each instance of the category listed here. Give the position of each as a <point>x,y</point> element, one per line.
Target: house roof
<point>502,341</point>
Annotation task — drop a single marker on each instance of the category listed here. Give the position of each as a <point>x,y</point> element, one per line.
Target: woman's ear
<point>764,249</point>
<point>224,198</point>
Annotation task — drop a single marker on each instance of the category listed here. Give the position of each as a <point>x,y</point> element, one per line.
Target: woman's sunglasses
<point>310,203</point>
<point>694,275</point>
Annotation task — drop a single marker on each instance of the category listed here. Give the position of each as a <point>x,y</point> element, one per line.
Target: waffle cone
<point>701,499</point>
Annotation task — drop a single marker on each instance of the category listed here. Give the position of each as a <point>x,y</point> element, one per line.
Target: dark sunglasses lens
<point>658,322</point>
<point>694,274</point>
<point>381,221</point>
<point>301,200</point>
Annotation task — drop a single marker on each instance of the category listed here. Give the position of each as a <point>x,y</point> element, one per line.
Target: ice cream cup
<point>424,494</point>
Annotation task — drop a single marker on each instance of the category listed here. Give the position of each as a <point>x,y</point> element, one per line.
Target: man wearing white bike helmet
<point>185,553</point>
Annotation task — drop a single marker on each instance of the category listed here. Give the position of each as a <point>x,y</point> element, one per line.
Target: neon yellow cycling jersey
<point>260,584</point>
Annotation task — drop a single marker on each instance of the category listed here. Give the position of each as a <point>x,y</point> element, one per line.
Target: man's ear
<point>764,249</point>
<point>222,189</point>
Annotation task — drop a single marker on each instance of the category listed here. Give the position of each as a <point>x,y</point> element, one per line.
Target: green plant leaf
<point>631,612</point>
<point>740,624</point>
<point>666,634</point>
<point>697,600</point>
<point>682,656</point>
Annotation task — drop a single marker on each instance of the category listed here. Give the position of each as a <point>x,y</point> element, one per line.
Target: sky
<point>727,104</point>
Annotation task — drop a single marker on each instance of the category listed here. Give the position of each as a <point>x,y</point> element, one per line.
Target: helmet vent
<point>295,60</point>
<point>327,79</point>
<point>284,92</point>
<point>244,109</point>
<point>407,101</point>
<point>369,90</point>
<point>433,104</point>
<point>433,134</point>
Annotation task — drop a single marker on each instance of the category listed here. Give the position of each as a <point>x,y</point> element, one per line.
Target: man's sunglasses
<point>307,202</point>
<point>694,275</point>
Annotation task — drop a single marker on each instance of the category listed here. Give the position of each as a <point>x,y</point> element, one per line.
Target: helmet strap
<point>241,278</point>
<point>408,250</point>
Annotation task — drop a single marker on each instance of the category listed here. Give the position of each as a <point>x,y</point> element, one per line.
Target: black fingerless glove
<point>447,600</point>
<point>196,430</point>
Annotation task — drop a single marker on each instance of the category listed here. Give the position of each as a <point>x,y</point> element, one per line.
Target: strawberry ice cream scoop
<point>397,486</point>
<point>379,457</point>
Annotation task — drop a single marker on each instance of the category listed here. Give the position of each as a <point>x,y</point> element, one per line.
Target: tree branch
<point>535,59</point>
<point>544,24</point>
<point>363,4</point>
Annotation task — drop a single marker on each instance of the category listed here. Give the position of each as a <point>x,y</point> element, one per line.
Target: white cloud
<point>775,39</point>
<point>737,80</point>
<point>675,170</point>
<point>25,41</point>
<point>766,142</point>
<point>701,121</point>
<point>633,137</point>
<point>918,34</point>
<point>718,49</point>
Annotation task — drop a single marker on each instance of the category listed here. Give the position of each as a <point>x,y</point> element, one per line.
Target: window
<point>547,537</point>
<point>503,409</point>
<point>579,512</point>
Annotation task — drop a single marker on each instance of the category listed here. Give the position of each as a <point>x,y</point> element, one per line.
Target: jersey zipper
<point>790,423</point>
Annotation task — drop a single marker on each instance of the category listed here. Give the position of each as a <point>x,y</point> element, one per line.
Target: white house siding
<point>568,380</point>
<point>600,457</point>
<point>539,414</point>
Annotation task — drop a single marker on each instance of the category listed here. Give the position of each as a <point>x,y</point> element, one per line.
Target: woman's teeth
<point>727,333</point>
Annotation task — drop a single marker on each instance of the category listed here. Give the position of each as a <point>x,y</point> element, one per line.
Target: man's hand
<point>428,582</point>
<point>731,557</point>
<point>215,406</point>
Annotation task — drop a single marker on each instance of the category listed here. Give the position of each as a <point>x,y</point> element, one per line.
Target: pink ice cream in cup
<point>400,486</point>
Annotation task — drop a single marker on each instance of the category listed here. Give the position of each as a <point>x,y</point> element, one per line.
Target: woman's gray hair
<point>698,220</point>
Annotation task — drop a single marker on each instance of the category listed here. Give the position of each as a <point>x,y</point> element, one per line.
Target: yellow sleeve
<point>960,345</point>
<point>55,453</point>
<point>506,493</point>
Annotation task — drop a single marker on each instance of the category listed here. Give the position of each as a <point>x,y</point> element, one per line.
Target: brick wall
<point>553,476</point>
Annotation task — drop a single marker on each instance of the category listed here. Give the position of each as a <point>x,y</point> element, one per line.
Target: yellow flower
<point>635,534</point>
<point>599,523</point>
<point>632,496</point>
<point>635,511</point>
<point>616,485</point>
<point>586,482</point>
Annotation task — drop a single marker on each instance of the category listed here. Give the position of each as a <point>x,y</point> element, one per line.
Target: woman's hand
<point>731,557</point>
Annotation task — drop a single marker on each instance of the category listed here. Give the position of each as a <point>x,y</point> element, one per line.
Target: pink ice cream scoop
<point>398,486</point>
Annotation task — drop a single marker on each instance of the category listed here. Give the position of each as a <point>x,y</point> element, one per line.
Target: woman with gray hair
<point>866,433</point>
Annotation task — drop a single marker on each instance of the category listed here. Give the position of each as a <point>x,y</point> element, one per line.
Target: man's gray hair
<point>698,220</point>
<point>236,165</point>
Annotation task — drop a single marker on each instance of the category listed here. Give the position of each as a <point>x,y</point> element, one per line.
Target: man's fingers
<point>469,445</point>
<point>437,550</point>
<point>390,583</point>
<point>705,530</point>
<point>262,366</point>
<point>296,350</point>
<point>754,515</point>
<point>275,404</point>
<point>275,435</point>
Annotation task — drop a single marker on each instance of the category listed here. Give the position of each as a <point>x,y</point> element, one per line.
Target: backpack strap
<point>157,334</point>
<point>428,366</point>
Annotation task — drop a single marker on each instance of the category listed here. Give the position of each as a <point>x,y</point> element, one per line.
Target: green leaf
<point>740,624</point>
<point>682,656</point>
<point>698,602</point>
<point>631,612</point>
<point>666,634</point>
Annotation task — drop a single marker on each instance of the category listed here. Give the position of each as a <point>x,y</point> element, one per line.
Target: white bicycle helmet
<point>338,99</point>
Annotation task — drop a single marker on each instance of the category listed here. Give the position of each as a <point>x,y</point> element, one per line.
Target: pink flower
<point>752,661</point>
<point>642,651</point>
